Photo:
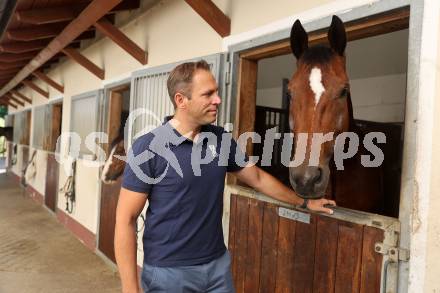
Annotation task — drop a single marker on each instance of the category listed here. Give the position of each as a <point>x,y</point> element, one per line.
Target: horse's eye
<point>344,93</point>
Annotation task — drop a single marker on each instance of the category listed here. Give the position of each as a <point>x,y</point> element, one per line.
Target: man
<point>181,171</point>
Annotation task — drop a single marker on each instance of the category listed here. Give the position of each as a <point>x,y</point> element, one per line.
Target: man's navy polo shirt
<point>184,217</point>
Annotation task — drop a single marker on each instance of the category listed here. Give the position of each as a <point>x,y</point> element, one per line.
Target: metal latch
<point>394,253</point>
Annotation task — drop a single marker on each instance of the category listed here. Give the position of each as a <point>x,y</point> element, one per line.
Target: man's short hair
<point>180,78</point>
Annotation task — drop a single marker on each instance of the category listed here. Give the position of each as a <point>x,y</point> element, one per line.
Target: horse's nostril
<point>319,176</point>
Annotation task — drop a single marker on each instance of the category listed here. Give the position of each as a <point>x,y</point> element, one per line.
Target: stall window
<point>22,123</point>
<point>84,120</point>
<point>39,127</point>
<point>149,92</point>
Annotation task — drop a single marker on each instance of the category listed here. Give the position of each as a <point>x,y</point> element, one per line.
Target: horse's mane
<point>317,55</point>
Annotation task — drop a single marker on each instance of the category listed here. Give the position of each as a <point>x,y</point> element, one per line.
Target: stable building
<point>84,66</point>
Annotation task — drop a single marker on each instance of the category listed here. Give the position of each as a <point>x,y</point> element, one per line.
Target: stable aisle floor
<point>37,254</point>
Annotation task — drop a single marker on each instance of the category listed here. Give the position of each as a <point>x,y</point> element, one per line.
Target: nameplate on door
<point>294,215</point>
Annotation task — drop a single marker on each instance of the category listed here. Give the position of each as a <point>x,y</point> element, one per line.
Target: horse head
<point>114,166</point>
<point>320,105</point>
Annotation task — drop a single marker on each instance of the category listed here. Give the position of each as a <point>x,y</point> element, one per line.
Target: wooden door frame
<point>55,125</point>
<point>361,22</point>
<point>248,60</point>
<point>115,102</point>
<point>111,91</point>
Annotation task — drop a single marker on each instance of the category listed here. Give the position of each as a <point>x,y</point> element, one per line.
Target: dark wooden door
<point>107,218</point>
<point>52,173</point>
<point>274,253</point>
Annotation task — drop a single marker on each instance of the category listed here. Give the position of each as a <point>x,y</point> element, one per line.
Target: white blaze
<point>107,165</point>
<point>316,83</point>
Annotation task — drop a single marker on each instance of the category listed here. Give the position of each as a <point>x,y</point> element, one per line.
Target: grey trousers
<point>214,276</point>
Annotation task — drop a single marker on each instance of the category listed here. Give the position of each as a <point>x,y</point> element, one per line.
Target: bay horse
<point>321,103</point>
<point>114,167</point>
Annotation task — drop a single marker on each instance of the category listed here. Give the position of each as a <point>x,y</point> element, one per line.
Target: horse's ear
<point>299,40</point>
<point>336,35</point>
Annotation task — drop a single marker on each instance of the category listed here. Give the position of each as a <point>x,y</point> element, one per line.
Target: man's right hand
<point>318,205</point>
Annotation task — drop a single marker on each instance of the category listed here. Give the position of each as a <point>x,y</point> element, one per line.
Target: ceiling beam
<point>41,32</point>
<point>84,62</point>
<point>35,32</point>
<point>65,13</point>
<point>14,99</point>
<point>95,11</point>
<point>48,15</point>
<point>20,95</point>
<point>8,57</point>
<point>23,47</point>
<point>8,102</point>
<point>7,71</point>
<point>48,80</point>
<point>36,88</point>
<point>7,75</point>
<point>212,15</point>
<point>3,81</point>
<point>8,65</point>
<point>31,46</point>
<point>117,36</point>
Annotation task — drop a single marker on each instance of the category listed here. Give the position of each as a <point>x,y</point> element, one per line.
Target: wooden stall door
<point>273,253</point>
<point>52,174</point>
<point>107,218</point>
<point>110,192</point>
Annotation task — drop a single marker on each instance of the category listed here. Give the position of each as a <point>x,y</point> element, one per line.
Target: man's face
<point>202,106</point>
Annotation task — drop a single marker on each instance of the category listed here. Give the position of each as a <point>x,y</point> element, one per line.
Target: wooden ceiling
<point>33,25</point>
<point>40,32</point>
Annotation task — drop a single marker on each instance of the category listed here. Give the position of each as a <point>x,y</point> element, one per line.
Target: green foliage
<point>3,111</point>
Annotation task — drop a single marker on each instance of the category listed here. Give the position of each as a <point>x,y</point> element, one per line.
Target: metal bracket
<point>395,254</point>
<point>228,73</point>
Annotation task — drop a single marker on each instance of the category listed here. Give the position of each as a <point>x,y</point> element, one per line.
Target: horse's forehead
<point>308,76</point>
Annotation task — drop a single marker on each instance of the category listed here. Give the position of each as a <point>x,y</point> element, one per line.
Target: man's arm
<point>130,205</point>
<point>269,185</point>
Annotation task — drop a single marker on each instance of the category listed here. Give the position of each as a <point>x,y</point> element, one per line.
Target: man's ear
<point>180,101</point>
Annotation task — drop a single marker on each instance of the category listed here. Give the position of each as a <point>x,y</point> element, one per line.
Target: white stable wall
<point>39,181</point>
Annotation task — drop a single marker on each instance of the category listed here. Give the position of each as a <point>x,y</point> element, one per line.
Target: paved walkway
<point>37,254</point>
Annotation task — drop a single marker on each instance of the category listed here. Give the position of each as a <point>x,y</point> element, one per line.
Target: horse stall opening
<point>53,118</point>
<point>117,106</point>
<point>9,122</point>
<point>280,248</point>
<point>21,139</point>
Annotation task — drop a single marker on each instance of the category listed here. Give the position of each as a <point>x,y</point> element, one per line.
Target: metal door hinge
<point>228,73</point>
<point>395,254</point>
